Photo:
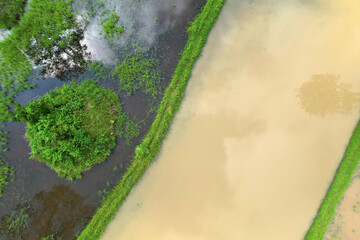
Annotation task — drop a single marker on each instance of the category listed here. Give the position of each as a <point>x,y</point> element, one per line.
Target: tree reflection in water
<point>60,213</point>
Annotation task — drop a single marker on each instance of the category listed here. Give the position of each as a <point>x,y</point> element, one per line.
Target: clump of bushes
<point>10,12</point>
<point>71,128</point>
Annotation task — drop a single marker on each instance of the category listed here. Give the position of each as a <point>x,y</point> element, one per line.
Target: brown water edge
<point>38,185</point>
<point>245,159</point>
<point>345,225</point>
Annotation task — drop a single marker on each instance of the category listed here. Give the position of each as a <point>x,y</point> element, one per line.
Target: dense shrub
<point>10,12</point>
<point>71,128</point>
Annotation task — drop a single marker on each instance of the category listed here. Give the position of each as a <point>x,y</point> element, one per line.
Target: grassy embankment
<point>337,189</point>
<point>10,12</point>
<point>146,152</point>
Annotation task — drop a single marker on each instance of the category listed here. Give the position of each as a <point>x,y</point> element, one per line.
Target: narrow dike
<point>337,188</point>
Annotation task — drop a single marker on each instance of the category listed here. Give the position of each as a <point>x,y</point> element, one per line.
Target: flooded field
<point>50,205</point>
<point>268,113</point>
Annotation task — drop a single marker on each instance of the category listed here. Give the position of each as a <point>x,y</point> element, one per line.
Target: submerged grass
<point>337,189</point>
<point>145,153</point>
<point>6,173</point>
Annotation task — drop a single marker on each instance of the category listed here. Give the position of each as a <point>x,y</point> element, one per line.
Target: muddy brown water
<point>62,207</point>
<point>255,145</point>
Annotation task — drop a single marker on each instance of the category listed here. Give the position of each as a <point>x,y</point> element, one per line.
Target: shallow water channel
<point>51,206</point>
<point>267,115</point>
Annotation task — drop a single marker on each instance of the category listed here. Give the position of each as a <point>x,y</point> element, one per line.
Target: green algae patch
<point>71,128</point>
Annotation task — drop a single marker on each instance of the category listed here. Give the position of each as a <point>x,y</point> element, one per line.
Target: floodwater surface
<point>267,115</point>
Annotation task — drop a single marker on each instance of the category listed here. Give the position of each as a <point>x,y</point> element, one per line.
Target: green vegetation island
<point>71,128</point>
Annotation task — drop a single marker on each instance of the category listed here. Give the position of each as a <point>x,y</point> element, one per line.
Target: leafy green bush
<point>10,12</point>
<point>71,128</point>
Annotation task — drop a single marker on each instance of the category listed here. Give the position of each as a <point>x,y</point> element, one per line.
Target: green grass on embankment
<point>145,152</point>
<point>337,189</point>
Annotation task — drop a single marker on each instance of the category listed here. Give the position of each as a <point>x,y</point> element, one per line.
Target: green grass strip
<point>146,152</point>
<point>337,189</point>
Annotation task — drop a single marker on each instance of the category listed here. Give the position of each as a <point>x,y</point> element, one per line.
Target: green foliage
<point>49,237</point>
<point>112,27</point>
<point>127,128</point>
<point>99,70</point>
<point>50,35</point>
<point>150,146</point>
<point>137,72</point>
<point>13,224</point>
<point>3,141</point>
<point>6,173</point>
<point>337,189</point>
<point>46,31</point>
<point>10,12</point>
<point>71,128</point>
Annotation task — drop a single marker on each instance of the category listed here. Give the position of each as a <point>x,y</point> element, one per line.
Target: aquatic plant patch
<point>71,128</point>
<point>12,225</point>
<point>112,27</point>
<point>138,72</point>
<point>6,173</point>
<point>146,152</point>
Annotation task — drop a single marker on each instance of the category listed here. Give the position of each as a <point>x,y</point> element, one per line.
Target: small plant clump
<point>13,224</point>
<point>127,128</point>
<point>71,128</point>
<point>99,70</point>
<point>137,72</point>
<point>111,26</point>
<point>6,173</point>
<point>10,12</point>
